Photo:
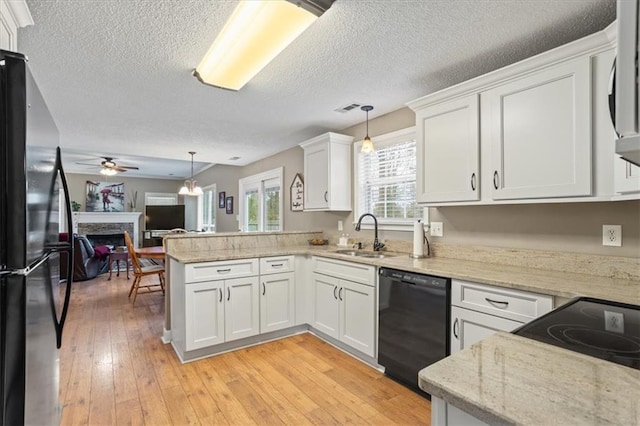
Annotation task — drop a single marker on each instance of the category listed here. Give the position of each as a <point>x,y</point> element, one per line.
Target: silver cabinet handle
<point>473,181</point>
<point>220,271</point>
<point>220,290</point>
<point>228,293</point>
<point>495,179</point>
<point>456,324</point>
<point>501,303</point>
<point>340,293</point>
<point>334,292</point>
<point>264,289</point>
<point>325,196</point>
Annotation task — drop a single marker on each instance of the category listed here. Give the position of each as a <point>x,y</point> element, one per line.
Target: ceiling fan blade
<point>129,167</point>
<point>117,168</point>
<point>87,164</point>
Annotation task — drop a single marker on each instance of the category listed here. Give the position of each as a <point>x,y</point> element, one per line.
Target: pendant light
<point>190,186</point>
<point>367,145</point>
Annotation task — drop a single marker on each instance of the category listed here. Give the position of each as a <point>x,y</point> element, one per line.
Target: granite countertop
<point>514,380</point>
<point>554,283</point>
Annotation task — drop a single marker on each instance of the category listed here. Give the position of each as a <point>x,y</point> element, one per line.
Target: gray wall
<point>78,186</point>
<point>226,179</point>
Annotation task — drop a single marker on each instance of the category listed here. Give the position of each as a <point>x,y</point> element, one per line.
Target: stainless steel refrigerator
<point>32,308</point>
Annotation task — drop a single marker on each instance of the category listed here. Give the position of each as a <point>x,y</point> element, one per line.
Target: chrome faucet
<point>377,245</point>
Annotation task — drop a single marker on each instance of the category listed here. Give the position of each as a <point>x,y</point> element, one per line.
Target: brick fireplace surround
<point>108,223</point>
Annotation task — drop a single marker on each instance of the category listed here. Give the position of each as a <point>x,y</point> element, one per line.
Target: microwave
<point>624,93</point>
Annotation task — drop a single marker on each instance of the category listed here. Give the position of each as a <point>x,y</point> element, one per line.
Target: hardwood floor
<point>115,370</point>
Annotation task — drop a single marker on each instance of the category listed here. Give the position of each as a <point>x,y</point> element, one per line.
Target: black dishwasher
<point>414,315</point>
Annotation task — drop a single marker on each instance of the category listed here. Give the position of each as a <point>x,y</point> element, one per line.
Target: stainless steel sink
<point>360,253</point>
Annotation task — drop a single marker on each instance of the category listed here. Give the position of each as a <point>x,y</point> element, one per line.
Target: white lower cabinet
<point>220,311</point>
<point>241,308</point>
<point>345,309</point>
<point>326,309</point>
<point>277,302</point>
<point>477,312</point>
<point>469,327</point>
<point>204,314</point>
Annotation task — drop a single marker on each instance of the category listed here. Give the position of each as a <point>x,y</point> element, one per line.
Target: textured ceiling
<point>116,74</point>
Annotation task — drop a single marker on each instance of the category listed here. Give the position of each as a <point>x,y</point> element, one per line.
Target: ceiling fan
<point>109,167</point>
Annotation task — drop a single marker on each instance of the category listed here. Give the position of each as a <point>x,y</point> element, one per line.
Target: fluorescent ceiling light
<point>256,32</point>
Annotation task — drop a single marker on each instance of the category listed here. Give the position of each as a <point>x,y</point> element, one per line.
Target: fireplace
<point>115,240</point>
<point>108,226</point>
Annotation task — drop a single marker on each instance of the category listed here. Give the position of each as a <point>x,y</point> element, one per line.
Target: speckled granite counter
<point>514,380</point>
<point>554,283</point>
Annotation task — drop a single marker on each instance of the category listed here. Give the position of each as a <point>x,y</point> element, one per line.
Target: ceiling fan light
<point>184,190</point>
<point>108,172</point>
<point>254,35</point>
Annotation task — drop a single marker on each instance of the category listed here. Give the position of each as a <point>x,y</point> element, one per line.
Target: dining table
<point>154,253</point>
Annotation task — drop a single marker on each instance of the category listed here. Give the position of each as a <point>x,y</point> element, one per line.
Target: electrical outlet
<point>436,229</point>
<point>612,235</point>
<point>614,321</point>
<point>340,227</point>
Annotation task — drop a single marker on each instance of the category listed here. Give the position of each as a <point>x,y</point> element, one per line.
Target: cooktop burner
<point>600,328</point>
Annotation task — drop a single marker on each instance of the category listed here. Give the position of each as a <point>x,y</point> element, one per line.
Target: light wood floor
<point>115,370</point>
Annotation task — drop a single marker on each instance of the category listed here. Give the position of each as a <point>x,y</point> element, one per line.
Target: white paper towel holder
<point>424,238</point>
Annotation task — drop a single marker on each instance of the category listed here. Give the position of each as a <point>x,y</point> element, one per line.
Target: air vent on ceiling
<point>347,108</point>
<point>234,158</point>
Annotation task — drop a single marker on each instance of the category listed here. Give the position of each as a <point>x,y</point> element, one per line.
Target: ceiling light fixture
<point>367,145</point>
<point>190,186</point>
<point>256,32</point>
<point>108,171</point>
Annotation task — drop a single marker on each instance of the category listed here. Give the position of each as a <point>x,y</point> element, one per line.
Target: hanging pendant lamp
<point>191,186</point>
<point>367,145</point>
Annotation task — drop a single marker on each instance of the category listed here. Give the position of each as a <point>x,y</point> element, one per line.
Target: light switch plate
<point>436,229</point>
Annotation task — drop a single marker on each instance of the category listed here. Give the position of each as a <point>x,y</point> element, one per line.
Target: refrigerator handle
<point>69,249</point>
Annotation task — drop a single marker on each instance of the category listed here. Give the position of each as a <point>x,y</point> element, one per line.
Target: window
<point>261,202</point>
<point>385,181</point>
<point>207,204</point>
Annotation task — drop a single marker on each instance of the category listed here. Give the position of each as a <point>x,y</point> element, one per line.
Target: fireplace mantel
<point>99,217</point>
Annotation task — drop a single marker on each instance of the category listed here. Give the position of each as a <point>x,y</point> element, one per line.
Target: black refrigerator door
<point>30,323</point>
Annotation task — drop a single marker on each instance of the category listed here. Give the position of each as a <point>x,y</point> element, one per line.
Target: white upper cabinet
<point>327,172</point>
<point>537,131</point>
<point>14,14</point>
<point>449,151</point>
<point>540,130</point>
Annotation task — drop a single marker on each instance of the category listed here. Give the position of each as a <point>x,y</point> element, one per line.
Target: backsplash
<point>237,240</point>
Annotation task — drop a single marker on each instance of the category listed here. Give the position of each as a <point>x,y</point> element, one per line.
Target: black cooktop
<point>600,328</point>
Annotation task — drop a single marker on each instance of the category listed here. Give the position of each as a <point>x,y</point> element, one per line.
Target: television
<point>164,218</point>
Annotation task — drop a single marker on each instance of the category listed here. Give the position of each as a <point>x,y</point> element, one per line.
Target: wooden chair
<point>140,271</point>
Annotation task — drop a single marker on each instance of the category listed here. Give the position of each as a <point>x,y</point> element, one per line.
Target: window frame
<point>258,181</point>
<point>386,139</point>
<point>200,208</point>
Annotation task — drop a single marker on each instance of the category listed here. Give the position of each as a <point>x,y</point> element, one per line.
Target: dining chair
<point>140,271</point>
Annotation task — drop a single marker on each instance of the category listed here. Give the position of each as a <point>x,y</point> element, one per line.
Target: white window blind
<point>386,180</point>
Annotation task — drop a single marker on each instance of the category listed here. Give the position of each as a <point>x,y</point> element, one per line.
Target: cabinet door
<point>325,304</point>
<point>540,127</point>
<point>277,302</point>
<point>448,151</point>
<point>204,314</point>
<point>627,176</point>
<point>316,180</point>
<point>469,327</point>
<point>242,307</point>
<point>357,316</point>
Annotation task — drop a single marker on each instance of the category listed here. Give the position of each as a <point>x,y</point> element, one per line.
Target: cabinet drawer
<point>276,265</point>
<point>506,303</point>
<point>357,272</point>
<point>205,271</point>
